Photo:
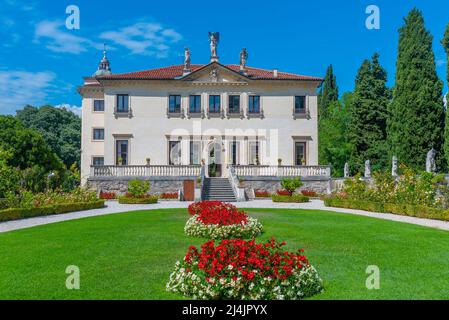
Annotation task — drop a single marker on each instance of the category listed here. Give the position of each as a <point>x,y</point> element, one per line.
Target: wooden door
<point>189,190</point>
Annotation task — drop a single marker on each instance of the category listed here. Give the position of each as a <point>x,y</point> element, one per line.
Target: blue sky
<point>42,62</point>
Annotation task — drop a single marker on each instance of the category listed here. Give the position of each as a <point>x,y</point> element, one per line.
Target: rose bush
<point>244,270</point>
<point>218,220</point>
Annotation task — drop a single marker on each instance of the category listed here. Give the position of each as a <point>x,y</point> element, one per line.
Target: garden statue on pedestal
<point>394,166</point>
<point>430,161</point>
<point>367,169</point>
<point>346,170</point>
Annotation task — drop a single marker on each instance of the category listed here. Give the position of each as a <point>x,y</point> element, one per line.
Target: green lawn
<point>130,256</point>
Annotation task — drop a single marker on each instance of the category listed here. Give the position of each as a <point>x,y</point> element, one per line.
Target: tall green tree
<point>416,121</point>
<point>445,43</point>
<point>328,93</point>
<point>327,101</point>
<point>60,128</point>
<point>367,128</point>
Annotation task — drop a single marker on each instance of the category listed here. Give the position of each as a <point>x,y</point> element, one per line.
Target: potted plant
<point>148,161</point>
<point>120,161</point>
<point>279,162</point>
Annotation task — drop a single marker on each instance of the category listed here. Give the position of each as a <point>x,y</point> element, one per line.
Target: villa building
<point>190,122</point>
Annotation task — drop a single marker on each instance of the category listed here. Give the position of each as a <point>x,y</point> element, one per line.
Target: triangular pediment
<point>216,73</point>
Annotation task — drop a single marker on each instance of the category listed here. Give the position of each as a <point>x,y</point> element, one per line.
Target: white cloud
<point>58,39</point>
<point>19,88</point>
<point>149,39</point>
<point>75,109</point>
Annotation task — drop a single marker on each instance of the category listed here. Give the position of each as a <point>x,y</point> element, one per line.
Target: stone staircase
<point>218,189</point>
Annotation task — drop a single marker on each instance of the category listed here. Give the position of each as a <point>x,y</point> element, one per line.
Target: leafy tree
<point>445,43</point>
<point>60,128</point>
<point>328,93</point>
<point>26,146</point>
<point>9,177</point>
<point>333,140</point>
<point>368,116</point>
<point>291,184</point>
<point>416,121</point>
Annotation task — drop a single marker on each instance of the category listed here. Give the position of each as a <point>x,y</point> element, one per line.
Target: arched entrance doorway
<point>215,164</point>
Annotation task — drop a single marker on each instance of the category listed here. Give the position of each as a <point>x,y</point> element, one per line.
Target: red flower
<point>216,212</point>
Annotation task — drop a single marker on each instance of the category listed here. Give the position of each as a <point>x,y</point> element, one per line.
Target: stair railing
<point>234,181</point>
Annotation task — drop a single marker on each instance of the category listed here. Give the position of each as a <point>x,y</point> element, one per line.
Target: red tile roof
<point>174,72</point>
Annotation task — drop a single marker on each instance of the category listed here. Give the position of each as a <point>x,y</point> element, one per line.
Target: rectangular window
<point>195,153</point>
<point>122,103</point>
<point>98,161</point>
<point>195,104</point>
<point>234,153</point>
<point>234,104</point>
<point>122,152</point>
<point>174,149</point>
<point>214,104</point>
<point>300,153</point>
<point>98,105</point>
<point>300,104</point>
<point>98,134</point>
<point>174,104</point>
<point>254,157</point>
<point>254,104</point>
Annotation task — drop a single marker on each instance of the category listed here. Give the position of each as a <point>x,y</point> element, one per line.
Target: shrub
<point>23,213</point>
<point>295,198</point>
<point>291,184</point>
<point>150,199</point>
<point>138,188</point>
<point>169,195</point>
<point>309,193</point>
<point>243,270</point>
<point>262,194</point>
<point>283,193</point>
<point>108,195</point>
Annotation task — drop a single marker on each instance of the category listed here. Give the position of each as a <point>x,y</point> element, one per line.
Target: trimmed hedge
<point>399,209</point>
<point>22,213</point>
<point>130,200</point>
<point>296,198</point>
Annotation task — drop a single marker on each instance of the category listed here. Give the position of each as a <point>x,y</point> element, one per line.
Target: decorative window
<point>300,104</point>
<point>300,153</point>
<point>122,103</point>
<point>214,104</point>
<point>195,104</point>
<point>122,152</point>
<point>98,105</point>
<point>254,104</point>
<point>234,104</point>
<point>98,134</point>
<point>254,156</point>
<point>195,153</point>
<point>234,148</point>
<point>174,104</point>
<point>174,148</point>
<point>98,161</point>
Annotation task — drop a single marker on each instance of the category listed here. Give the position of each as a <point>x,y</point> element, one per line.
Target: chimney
<point>275,73</point>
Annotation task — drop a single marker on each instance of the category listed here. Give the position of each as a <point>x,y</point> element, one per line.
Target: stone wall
<point>272,184</point>
<point>120,185</point>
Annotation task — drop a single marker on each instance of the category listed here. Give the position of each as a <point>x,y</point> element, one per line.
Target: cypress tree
<point>327,98</point>
<point>416,122</point>
<point>328,93</point>
<point>445,43</point>
<point>368,116</point>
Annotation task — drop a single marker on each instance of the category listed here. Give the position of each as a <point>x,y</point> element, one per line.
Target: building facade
<point>172,121</point>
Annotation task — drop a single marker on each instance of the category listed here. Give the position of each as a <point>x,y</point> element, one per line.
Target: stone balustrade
<point>283,171</point>
<point>145,171</point>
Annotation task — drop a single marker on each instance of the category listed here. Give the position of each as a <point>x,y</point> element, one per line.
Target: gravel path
<point>115,208</point>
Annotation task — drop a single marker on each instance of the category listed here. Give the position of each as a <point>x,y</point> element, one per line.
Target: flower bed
<point>262,194</point>
<point>169,196</point>
<point>309,193</point>
<point>380,207</point>
<point>218,220</point>
<point>108,195</point>
<point>147,199</point>
<point>23,213</point>
<point>295,198</point>
<point>244,270</point>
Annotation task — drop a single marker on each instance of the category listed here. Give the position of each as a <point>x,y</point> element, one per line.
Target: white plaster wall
<point>150,125</point>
